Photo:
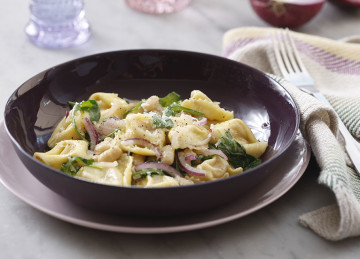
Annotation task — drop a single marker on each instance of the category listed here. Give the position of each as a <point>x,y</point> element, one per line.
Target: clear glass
<point>158,6</point>
<point>57,23</point>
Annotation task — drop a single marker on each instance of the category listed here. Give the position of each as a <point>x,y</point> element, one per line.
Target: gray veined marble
<point>272,232</point>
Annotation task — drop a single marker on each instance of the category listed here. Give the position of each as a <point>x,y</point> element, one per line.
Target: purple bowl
<point>36,107</point>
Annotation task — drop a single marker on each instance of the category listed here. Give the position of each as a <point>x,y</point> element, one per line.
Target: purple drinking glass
<point>57,23</point>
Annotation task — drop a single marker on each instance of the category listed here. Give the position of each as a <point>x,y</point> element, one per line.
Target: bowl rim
<point>169,52</point>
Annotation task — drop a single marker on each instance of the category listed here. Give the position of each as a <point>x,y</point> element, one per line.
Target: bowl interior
<point>36,107</point>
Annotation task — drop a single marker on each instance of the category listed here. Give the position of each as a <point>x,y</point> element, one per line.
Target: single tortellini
<point>241,133</point>
<point>200,102</point>
<point>190,136</point>
<point>115,173</point>
<point>215,168</point>
<point>62,151</point>
<point>65,129</point>
<point>139,126</point>
<point>110,104</point>
<point>238,130</point>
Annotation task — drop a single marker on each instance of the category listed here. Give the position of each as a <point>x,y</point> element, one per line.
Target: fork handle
<point>351,145</point>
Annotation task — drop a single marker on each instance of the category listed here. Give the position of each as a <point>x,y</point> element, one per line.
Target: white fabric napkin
<point>335,67</point>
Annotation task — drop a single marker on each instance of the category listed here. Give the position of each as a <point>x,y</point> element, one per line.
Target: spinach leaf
<point>168,112</point>
<point>71,104</point>
<point>73,119</point>
<point>236,153</point>
<point>175,108</point>
<point>92,108</point>
<point>200,158</point>
<point>159,122</point>
<point>133,109</point>
<point>73,165</point>
<point>169,99</point>
<point>171,102</point>
<point>110,135</point>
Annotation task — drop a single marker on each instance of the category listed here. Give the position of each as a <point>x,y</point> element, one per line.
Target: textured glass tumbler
<point>157,6</point>
<point>57,23</point>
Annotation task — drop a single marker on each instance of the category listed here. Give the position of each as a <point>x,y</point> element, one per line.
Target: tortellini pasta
<point>65,129</point>
<point>110,104</point>
<point>200,102</point>
<point>242,134</point>
<point>189,136</point>
<point>64,149</point>
<point>156,142</point>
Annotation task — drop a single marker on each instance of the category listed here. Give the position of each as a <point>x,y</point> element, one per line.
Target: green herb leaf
<point>236,153</point>
<point>71,104</point>
<point>73,165</point>
<point>176,164</point>
<point>144,173</point>
<point>168,112</point>
<point>92,108</point>
<point>176,108</point>
<point>169,99</point>
<point>159,122</point>
<point>200,158</point>
<point>133,109</point>
<point>110,135</point>
<point>73,119</point>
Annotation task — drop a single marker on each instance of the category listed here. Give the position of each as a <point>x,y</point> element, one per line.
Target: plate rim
<point>158,229</point>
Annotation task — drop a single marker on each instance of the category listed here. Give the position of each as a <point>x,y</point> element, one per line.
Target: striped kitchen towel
<point>335,66</point>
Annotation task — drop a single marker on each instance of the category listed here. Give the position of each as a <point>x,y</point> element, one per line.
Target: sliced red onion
<point>202,122</point>
<point>190,158</point>
<point>94,137</point>
<point>145,143</point>
<point>186,165</point>
<point>67,114</point>
<point>209,152</point>
<point>161,166</point>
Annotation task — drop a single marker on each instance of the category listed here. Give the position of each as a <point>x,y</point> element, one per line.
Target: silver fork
<point>294,71</point>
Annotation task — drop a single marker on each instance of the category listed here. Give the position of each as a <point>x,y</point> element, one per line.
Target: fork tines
<point>286,53</point>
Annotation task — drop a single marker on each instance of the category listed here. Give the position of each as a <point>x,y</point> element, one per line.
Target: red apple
<point>287,13</point>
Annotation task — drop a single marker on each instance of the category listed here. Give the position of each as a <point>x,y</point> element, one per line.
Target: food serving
<point>35,109</point>
<point>155,142</point>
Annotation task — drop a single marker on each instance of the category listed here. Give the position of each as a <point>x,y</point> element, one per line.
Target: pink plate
<point>15,177</point>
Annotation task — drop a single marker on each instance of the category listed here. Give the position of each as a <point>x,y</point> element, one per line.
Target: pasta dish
<point>155,142</point>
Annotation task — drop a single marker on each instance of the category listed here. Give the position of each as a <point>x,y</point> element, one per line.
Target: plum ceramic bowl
<point>36,107</point>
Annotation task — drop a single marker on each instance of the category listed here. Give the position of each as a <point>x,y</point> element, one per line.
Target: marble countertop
<point>272,232</point>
